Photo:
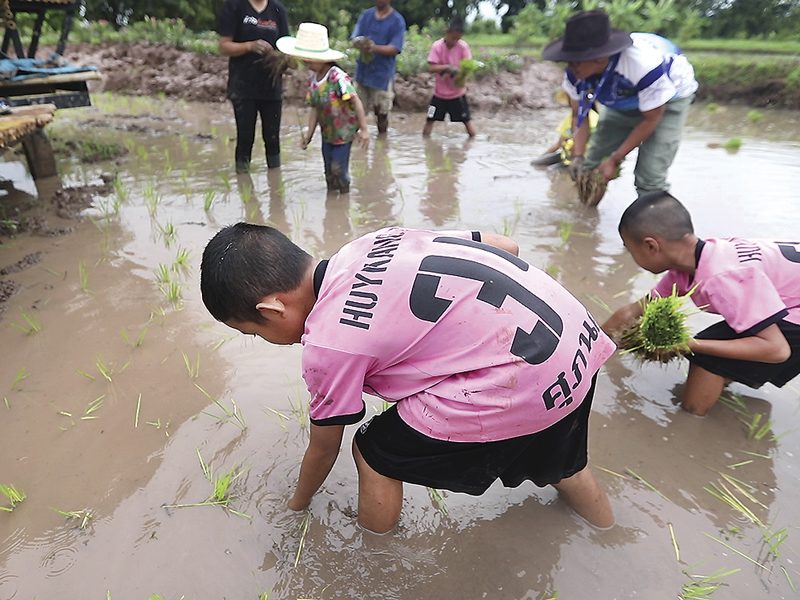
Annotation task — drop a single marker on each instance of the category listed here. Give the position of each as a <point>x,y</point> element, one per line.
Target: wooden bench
<point>25,125</point>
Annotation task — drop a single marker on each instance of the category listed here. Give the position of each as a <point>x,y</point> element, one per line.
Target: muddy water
<point>107,331</point>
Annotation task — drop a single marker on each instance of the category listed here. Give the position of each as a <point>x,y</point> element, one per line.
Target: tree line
<point>707,18</point>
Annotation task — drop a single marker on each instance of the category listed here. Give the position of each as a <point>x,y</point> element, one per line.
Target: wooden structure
<point>66,90</point>
<point>24,125</point>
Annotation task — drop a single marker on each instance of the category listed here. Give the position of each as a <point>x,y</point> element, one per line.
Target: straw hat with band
<point>587,35</point>
<point>311,43</point>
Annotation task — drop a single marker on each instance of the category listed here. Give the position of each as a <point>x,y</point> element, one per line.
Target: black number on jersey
<point>790,251</point>
<point>534,346</point>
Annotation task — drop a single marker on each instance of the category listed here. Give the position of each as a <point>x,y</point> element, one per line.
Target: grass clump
<point>733,144</point>
<point>661,333</point>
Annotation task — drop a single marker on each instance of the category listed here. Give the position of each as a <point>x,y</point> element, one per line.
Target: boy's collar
<point>698,249</point>
<point>319,274</point>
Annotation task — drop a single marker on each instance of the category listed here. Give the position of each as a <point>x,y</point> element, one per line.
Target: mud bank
<point>150,70</point>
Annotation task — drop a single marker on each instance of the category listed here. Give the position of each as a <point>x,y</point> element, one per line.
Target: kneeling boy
<point>489,363</point>
<point>753,284</point>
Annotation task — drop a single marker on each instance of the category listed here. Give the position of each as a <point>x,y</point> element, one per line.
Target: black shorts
<point>396,450</point>
<point>457,108</point>
<point>751,373</point>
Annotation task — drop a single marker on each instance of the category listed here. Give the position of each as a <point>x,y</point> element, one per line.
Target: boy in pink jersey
<point>489,364</point>
<point>753,284</point>
<point>444,60</point>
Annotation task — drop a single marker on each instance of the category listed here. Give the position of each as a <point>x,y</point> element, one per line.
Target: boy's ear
<point>651,244</point>
<point>270,307</point>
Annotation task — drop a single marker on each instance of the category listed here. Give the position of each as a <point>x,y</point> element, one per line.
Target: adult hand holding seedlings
<point>261,47</point>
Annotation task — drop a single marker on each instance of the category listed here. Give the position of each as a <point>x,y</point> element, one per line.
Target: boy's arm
<point>500,241</point>
<point>767,346</point>
<point>643,130</point>
<point>312,125</point>
<point>323,449</point>
<point>623,317</point>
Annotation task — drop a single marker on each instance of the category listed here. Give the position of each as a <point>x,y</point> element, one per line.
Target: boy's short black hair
<point>656,214</point>
<point>456,25</point>
<point>243,263</point>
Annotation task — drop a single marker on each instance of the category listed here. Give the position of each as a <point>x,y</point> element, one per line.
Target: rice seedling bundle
<point>661,333</point>
<point>276,64</point>
<point>591,186</point>
<point>466,70</point>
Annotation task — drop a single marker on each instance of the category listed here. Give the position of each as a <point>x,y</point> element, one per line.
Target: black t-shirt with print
<point>239,21</point>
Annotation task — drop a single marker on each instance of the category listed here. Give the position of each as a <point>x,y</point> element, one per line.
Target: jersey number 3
<point>534,346</point>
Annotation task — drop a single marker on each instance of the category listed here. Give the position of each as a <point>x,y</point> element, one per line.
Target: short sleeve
<point>399,33</point>
<point>283,23</point>
<point>357,28</point>
<point>657,93</point>
<point>467,51</point>
<point>344,84</point>
<point>746,299</point>
<point>665,286</point>
<point>433,55</point>
<point>335,380</point>
<point>570,88</point>
<point>226,23</point>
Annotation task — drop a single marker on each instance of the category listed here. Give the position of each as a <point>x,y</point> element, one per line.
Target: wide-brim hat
<point>311,43</point>
<point>587,35</point>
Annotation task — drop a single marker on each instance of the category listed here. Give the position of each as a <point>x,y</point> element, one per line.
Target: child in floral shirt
<point>335,106</point>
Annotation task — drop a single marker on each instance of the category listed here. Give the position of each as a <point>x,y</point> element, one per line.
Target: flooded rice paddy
<point>121,397</point>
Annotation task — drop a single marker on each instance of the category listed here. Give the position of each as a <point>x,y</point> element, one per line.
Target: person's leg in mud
<point>657,152</point>
<point>327,160</point>
<point>380,498</point>
<point>244,112</point>
<point>701,391</point>
<point>340,166</point>
<point>585,496</point>
<point>384,100</point>
<point>270,111</point>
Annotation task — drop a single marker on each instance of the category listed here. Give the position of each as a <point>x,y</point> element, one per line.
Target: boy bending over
<point>753,284</point>
<point>489,363</point>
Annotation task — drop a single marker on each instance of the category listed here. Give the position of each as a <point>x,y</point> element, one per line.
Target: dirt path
<point>149,69</point>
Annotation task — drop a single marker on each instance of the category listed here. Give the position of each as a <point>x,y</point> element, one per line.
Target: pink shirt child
<point>440,54</point>
<point>473,343</point>
<point>751,283</point>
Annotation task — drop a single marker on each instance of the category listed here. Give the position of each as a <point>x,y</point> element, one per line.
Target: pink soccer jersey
<point>445,87</point>
<point>473,343</point>
<point>750,283</point>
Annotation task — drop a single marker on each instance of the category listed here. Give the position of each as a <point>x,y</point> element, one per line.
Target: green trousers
<point>656,153</point>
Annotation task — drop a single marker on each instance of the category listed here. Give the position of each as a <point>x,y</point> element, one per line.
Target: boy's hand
<point>297,505</point>
<point>575,167</point>
<point>363,138</point>
<point>608,168</point>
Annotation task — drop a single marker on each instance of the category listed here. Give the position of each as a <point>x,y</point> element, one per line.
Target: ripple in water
<point>8,586</point>
<point>60,560</point>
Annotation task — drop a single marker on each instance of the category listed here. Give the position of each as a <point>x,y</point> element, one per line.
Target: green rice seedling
<point>225,180</point>
<point>772,541</point>
<point>13,494</point>
<point>600,302</point>
<point>757,430</point>
<point>232,413</point>
<point>119,190</point>
<point>21,376</point>
<point>299,410</point>
<point>83,276</point>
<point>173,292</point>
<point>138,410</point>
<point>169,233</point>
<point>82,517</point>
<point>789,579</point>
<point>163,275</point>
<point>193,368</point>
<point>674,543</point>
<point>5,401</point>
<point>741,463</point>
<point>735,402</point>
<point>31,324</point>
<point>712,107</point>
<point>552,270</point>
<point>564,231</point>
<point>142,153</point>
<point>181,262</point>
<point>724,494</point>
<point>105,370</point>
<point>263,596</point>
<point>548,595</point>
<point>438,499</point>
<point>221,494</point>
<point>733,145</point>
<point>93,407</point>
<point>208,199</point>
<point>702,586</point>
<point>648,485</point>
<point>246,194</point>
<point>207,471</point>
<point>167,162</point>
<point>151,198</point>
<point>88,376</point>
<point>303,528</point>
<point>661,333</point>
<point>755,116</point>
<point>133,343</point>
<point>223,339</point>
<point>735,551</point>
<point>281,417</point>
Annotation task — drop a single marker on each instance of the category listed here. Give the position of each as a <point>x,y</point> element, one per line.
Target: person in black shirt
<point>248,30</point>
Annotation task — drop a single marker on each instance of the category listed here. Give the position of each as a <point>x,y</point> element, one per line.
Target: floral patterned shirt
<point>336,114</point>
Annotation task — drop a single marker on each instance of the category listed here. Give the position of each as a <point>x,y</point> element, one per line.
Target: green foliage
<point>483,26</point>
<point>414,57</point>
<point>733,144</point>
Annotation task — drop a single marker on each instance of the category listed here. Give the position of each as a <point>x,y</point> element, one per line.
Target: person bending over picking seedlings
<point>490,365</point>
